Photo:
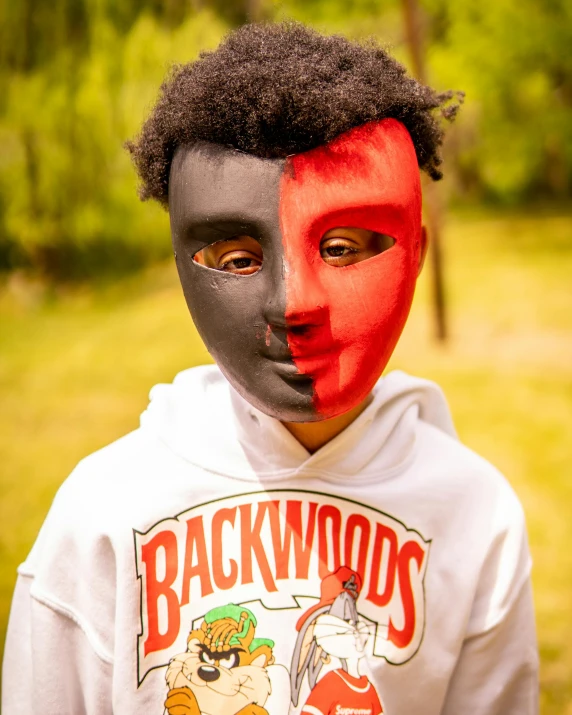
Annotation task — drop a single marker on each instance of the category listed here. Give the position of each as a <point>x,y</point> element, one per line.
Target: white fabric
<point>81,617</point>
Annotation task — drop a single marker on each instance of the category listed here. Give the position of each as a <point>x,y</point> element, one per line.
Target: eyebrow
<point>219,655</point>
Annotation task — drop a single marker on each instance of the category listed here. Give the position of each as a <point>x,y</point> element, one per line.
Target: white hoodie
<point>211,504</point>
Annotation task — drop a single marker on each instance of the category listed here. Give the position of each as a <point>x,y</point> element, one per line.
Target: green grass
<point>75,371</point>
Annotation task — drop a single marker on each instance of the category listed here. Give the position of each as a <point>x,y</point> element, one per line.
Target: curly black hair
<point>273,90</point>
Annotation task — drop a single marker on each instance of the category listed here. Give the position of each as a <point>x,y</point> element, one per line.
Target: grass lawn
<point>75,371</point>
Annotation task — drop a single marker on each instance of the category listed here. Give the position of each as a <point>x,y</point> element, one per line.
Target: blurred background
<point>91,315</point>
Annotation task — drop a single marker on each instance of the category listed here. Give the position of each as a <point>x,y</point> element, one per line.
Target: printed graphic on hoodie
<point>279,602</point>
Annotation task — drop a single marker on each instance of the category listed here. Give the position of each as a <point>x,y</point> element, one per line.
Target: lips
<point>314,364</point>
<point>313,348</point>
<point>303,356</point>
<point>309,347</point>
<point>300,358</point>
<point>280,356</point>
<point>302,363</point>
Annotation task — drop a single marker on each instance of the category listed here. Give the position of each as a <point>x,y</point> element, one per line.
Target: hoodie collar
<point>202,419</point>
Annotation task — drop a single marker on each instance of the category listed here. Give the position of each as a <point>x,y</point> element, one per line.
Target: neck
<point>313,435</point>
<point>352,667</point>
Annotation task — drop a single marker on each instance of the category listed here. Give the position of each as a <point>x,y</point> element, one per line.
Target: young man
<point>287,532</point>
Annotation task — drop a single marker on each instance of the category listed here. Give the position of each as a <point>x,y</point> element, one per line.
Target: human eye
<point>344,246</point>
<point>338,251</point>
<point>240,263</point>
<point>239,255</point>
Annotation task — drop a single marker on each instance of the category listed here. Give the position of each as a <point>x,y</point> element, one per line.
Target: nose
<point>296,299</point>
<point>275,308</point>
<point>208,673</point>
<point>306,300</point>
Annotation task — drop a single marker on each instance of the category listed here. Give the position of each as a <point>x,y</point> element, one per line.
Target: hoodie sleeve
<point>50,666</point>
<point>497,668</point>
<point>60,643</point>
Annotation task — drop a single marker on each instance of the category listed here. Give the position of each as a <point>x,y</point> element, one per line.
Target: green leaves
<point>68,190</point>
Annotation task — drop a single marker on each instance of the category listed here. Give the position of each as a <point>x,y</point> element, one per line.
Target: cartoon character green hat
<point>235,613</point>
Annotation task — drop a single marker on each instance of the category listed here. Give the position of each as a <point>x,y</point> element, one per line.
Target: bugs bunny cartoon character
<point>332,628</point>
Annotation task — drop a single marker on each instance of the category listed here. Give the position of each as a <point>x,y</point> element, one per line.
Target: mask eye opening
<point>347,245</point>
<point>237,255</point>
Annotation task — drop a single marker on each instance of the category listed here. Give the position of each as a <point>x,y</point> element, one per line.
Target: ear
<point>262,656</point>
<point>259,661</point>
<point>423,248</point>
<point>195,638</point>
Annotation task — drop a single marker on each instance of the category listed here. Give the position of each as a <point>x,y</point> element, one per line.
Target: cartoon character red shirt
<point>339,693</point>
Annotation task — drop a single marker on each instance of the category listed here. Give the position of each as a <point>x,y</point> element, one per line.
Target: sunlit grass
<point>75,371</point>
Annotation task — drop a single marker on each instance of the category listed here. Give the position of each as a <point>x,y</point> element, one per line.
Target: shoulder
<point>440,460</point>
<point>460,495</point>
<point>475,519</point>
<point>108,476</point>
<point>465,477</point>
<point>174,414</point>
<point>124,485</point>
<point>97,502</point>
<point>487,517</point>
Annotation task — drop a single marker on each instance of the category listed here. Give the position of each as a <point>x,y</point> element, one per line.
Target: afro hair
<point>273,90</point>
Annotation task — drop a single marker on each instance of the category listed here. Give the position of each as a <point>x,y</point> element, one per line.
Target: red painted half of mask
<point>344,322</point>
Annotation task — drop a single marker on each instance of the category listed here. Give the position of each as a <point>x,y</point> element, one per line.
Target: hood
<point>203,420</point>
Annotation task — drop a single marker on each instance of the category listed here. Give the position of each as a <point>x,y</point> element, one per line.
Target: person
<point>291,491</point>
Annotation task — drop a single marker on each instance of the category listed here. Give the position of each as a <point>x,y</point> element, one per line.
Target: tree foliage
<point>513,58</point>
<point>77,78</point>
<point>68,202</point>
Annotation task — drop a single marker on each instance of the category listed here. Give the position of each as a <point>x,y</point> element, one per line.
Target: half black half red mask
<point>300,339</point>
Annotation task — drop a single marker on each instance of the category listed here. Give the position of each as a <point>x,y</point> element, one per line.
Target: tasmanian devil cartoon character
<point>332,629</point>
<point>223,671</point>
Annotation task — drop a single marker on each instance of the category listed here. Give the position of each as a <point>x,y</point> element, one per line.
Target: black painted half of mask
<point>216,193</point>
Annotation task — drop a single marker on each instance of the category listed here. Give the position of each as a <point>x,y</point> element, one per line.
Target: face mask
<point>301,337</point>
